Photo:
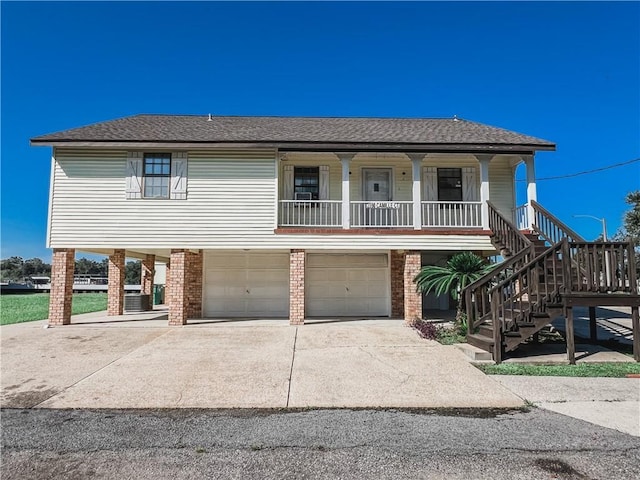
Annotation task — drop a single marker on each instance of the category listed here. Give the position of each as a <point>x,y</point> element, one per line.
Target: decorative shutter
<point>134,175</point>
<point>323,182</point>
<point>178,187</point>
<point>430,184</point>
<point>287,185</point>
<point>469,184</point>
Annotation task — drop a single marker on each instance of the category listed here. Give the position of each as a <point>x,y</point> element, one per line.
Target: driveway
<point>136,361</point>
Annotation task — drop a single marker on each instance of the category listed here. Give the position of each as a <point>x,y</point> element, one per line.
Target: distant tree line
<point>16,269</point>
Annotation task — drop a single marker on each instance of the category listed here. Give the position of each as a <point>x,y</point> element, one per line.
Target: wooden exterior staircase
<point>545,274</point>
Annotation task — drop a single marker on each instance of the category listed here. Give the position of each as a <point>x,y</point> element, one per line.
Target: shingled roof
<point>282,131</point>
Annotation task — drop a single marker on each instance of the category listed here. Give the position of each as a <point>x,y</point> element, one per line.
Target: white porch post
<point>484,188</point>
<point>532,193</point>
<point>416,164</point>
<point>345,158</point>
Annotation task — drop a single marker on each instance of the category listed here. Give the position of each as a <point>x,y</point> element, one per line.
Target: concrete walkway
<point>608,402</point>
<point>137,361</point>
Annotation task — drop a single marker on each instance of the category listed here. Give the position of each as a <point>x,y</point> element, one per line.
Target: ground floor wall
<point>297,284</point>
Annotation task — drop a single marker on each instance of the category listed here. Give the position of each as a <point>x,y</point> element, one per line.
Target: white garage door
<point>347,285</point>
<point>246,284</point>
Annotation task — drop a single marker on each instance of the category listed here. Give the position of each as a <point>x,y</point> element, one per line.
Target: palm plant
<point>461,270</point>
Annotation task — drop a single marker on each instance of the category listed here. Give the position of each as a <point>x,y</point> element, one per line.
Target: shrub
<point>426,330</point>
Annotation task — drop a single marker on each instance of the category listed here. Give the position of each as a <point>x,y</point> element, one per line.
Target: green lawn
<point>580,370</point>
<point>35,306</point>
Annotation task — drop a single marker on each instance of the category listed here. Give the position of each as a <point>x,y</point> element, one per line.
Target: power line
<point>586,172</point>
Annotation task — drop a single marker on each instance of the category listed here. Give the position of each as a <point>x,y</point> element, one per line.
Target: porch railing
<point>367,214</point>
<point>310,213</point>
<point>451,214</point>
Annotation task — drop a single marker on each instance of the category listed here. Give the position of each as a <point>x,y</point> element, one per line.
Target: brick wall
<point>176,290</point>
<point>62,267</point>
<point>148,272</point>
<point>194,284</point>
<point>296,287</point>
<point>412,299</point>
<point>397,284</point>
<point>115,290</point>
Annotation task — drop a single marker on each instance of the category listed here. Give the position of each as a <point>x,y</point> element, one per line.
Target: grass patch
<point>35,306</point>
<point>580,370</point>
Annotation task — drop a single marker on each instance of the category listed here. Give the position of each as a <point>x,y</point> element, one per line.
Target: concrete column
<point>412,299</point>
<point>416,164</point>
<point>194,284</point>
<point>532,193</point>
<point>345,158</point>
<point>484,188</point>
<point>296,287</point>
<point>148,272</point>
<point>115,289</point>
<point>60,298</point>
<point>396,262</point>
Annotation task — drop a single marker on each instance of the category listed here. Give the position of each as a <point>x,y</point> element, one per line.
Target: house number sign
<point>388,205</point>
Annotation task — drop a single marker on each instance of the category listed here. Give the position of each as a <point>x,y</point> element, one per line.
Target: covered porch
<point>400,191</point>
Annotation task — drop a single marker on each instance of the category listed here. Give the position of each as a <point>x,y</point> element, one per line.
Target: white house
<point>350,202</point>
<point>285,217</point>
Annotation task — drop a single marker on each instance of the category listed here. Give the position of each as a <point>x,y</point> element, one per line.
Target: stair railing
<point>525,294</point>
<point>550,227</point>
<point>476,295</point>
<point>505,232</point>
<point>603,267</point>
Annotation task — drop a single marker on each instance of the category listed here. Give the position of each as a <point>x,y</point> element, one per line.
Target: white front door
<point>377,184</point>
<point>347,285</point>
<point>246,284</point>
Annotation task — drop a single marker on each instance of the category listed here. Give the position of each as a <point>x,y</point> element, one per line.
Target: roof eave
<point>302,146</point>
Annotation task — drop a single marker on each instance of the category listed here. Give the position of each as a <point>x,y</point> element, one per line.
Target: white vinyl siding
<point>501,185</point>
<point>230,203</point>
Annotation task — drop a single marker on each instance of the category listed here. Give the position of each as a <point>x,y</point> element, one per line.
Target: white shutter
<point>469,184</point>
<point>430,184</point>
<point>324,183</point>
<point>178,189</point>
<point>134,175</point>
<point>287,185</point>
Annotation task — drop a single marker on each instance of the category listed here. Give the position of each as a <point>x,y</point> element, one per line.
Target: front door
<point>377,188</point>
<point>377,184</point>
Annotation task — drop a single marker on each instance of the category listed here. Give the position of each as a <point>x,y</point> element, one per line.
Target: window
<point>156,175</point>
<point>450,184</point>
<point>306,180</point>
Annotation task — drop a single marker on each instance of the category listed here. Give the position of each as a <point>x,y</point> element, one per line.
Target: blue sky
<point>566,72</point>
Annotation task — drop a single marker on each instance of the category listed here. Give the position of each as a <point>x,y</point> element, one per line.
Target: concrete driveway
<point>136,361</point>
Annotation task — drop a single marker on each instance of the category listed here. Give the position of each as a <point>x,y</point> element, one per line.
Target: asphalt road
<point>346,444</point>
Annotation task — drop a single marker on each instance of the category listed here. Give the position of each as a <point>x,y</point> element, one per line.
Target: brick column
<point>296,287</point>
<point>148,272</point>
<point>115,290</point>
<point>176,292</point>
<point>62,267</point>
<point>194,284</point>
<point>397,284</point>
<point>412,299</point>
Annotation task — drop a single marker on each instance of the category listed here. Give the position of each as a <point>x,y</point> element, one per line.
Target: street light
<point>601,220</point>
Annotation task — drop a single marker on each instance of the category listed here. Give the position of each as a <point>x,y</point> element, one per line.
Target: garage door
<point>347,285</point>
<point>246,284</point>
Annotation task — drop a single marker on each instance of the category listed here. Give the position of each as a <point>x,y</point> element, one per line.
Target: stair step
<point>486,330</point>
<point>480,341</point>
<point>512,334</point>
